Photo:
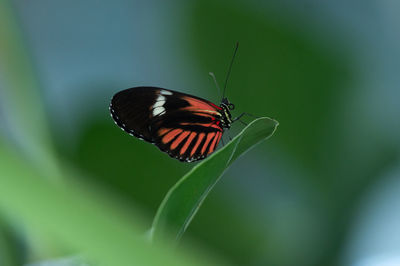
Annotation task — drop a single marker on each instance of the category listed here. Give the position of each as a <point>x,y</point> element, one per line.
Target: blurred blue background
<point>324,190</point>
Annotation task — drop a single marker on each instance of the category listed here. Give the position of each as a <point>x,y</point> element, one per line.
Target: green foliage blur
<point>326,71</point>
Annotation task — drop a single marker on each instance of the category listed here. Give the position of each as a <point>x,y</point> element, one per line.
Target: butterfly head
<point>227,104</point>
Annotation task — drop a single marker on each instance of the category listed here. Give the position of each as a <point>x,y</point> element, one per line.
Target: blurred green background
<point>324,190</point>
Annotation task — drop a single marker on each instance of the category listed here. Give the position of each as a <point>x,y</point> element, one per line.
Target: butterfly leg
<point>251,115</point>
<point>243,114</point>
<point>242,122</point>
<point>238,118</point>
<point>229,136</point>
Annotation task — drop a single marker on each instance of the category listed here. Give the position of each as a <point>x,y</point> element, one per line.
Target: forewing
<point>130,110</point>
<point>184,126</point>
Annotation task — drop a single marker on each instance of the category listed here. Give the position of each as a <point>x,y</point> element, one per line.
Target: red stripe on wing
<point>187,143</point>
<point>201,104</point>
<point>214,143</point>
<point>179,139</point>
<point>212,124</point>
<point>171,135</point>
<point>163,131</point>
<point>199,139</point>
<point>208,139</point>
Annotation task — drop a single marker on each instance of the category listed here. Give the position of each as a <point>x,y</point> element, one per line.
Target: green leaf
<point>67,261</point>
<point>185,198</point>
<point>81,217</point>
<point>21,101</point>
<point>11,247</point>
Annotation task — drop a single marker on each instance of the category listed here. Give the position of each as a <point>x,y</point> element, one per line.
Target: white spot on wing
<point>158,110</point>
<point>164,92</point>
<point>159,101</point>
<point>158,105</point>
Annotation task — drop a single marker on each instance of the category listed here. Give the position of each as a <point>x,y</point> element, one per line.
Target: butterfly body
<point>186,127</point>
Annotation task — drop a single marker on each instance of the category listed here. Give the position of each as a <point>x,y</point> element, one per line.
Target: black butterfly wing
<point>130,111</point>
<point>184,126</point>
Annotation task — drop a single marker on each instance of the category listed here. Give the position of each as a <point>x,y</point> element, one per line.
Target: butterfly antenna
<point>230,67</point>
<point>215,81</point>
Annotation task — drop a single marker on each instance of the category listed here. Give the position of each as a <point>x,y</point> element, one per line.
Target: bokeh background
<point>324,190</point>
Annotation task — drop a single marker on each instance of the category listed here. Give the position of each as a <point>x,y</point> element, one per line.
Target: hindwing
<point>184,126</point>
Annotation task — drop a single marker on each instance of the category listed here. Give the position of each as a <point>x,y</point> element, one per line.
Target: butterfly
<point>184,126</point>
